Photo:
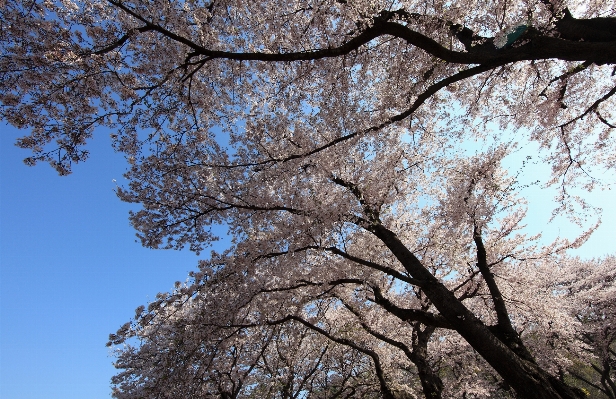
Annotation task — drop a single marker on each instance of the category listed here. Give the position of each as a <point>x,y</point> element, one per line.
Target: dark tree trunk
<point>431,383</point>
<point>524,376</point>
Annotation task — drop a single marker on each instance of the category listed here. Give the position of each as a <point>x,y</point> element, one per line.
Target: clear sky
<point>71,271</point>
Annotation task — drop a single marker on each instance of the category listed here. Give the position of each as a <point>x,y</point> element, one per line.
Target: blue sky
<point>71,271</point>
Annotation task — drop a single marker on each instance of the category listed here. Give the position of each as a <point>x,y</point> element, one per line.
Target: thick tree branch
<point>500,307</point>
<point>408,315</point>
<point>539,47</point>
<point>431,383</point>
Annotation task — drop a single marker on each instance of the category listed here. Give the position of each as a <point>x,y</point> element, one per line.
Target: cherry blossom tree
<point>365,308</point>
<point>328,137</point>
<point>589,288</point>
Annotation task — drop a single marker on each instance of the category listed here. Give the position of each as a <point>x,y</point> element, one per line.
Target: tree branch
<point>592,108</point>
<point>387,394</point>
<point>388,270</point>
<point>426,318</point>
<point>540,47</point>
<point>377,334</point>
<point>506,331</point>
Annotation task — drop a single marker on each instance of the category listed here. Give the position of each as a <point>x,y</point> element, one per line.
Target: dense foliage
<point>376,253</point>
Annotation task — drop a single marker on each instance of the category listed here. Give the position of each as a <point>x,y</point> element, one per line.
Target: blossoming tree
<point>591,290</point>
<point>328,137</point>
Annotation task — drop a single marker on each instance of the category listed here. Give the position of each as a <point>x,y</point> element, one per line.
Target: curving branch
<point>387,394</point>
<point>373,265</point>
<point>382,337</point>
<point>419,101</point>
<point>539,46</point>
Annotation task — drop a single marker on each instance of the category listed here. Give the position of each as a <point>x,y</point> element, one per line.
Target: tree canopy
<point>373,253</point>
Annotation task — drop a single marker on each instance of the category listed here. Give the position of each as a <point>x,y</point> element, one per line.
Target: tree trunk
<point>431,383</point>
<point>524,376</point>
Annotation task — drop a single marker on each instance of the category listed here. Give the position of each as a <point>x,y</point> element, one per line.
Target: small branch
<point>586,381</point>
<point>567,75</point>
<point>604,121</point>
<point>387,394</point>
<point>371,211</point>
<point>120,41</point>
<point>377,334</point>
<point>392,272</point>
<point>592,108</point>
